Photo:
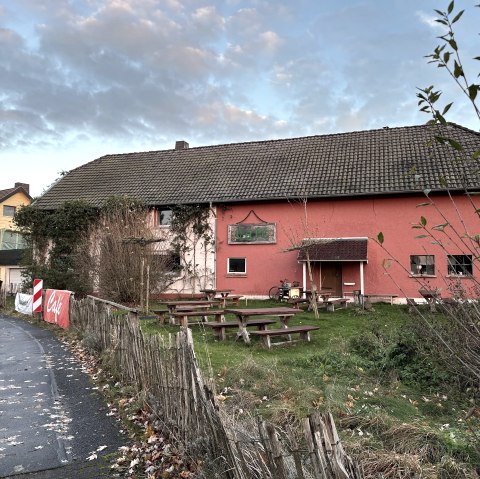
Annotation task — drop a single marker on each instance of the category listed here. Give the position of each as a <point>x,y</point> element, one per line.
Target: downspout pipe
<point>215,245</point>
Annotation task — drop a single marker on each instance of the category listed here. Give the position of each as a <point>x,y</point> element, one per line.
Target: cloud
<point>428,19</point>
<point>144,71</point>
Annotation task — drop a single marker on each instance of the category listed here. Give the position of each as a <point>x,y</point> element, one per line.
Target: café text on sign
<point>252,233</point>
<point>57,306</point>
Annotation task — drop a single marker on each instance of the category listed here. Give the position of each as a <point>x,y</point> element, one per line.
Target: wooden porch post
<point>362,285</point>
<point>304,278</point>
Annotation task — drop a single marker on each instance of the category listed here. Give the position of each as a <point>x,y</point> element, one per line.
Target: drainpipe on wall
<point>215,245</point>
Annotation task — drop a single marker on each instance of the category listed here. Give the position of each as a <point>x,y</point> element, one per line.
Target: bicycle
<point>284,290</point>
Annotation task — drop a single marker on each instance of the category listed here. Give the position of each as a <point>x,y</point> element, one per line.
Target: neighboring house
<point>334,193</point>
<point>11,242</point>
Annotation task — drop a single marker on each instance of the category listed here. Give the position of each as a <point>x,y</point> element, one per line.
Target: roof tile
<point>384,161</point>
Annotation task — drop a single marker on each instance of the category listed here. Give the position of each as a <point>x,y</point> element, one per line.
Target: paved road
<point>51,417</point>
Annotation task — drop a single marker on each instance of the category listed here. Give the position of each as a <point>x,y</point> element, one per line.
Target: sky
<point>80,79</point>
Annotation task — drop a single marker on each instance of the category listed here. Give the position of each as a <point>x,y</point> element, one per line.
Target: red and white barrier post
<point>37,295</point>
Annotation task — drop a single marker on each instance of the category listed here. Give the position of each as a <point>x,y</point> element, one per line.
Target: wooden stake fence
<point>166,370</point>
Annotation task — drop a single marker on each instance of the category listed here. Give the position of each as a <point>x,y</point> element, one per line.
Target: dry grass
<point>389,465</point>
<point>419,440</point>
<point>377,423</point>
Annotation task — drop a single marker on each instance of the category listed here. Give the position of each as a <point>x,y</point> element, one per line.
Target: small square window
<point>8,210</point>
<point>421,265</point>
<point>460,264</point>
<point>237,265</point>
<point>164,217</point>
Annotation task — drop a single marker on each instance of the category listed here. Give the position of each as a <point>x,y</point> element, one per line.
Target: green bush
<point>414,364</point>
<point>369,345</point>
<point>402,357</point>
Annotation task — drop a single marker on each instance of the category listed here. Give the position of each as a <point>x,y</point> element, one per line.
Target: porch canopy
<point>333,249</point>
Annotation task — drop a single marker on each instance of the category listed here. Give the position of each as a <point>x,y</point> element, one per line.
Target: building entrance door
<point>331,277</point>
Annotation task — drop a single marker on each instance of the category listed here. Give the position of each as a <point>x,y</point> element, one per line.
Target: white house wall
<point>198,263</point>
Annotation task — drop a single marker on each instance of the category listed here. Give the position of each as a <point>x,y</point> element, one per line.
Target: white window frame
<point>159,215</point>
<point>236,272</point>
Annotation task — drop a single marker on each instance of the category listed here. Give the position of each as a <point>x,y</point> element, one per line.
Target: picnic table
<point>184,305</point>
<point>182,316</point>
<point>225,296</point>
<point>210,293</point>
<point>245,314</point>
<point>322,293</point>
<point>325,294</point>
<point>220,326</point>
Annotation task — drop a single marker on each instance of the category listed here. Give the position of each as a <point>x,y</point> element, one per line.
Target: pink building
<point>333,193</point>
<point>344,251</point>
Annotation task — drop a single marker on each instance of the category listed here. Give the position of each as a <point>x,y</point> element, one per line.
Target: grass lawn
<point>399,416</point>
<point>377,411</point>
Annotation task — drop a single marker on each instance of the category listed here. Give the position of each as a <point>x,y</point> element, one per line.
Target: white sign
<point>24,303</point>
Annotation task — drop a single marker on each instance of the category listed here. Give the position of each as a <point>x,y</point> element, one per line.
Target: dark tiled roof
<point>385,161</point>
<point>334,249</point>
<point>5,194</point>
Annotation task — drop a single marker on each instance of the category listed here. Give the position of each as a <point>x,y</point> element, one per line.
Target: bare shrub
<point>458,339</point>
<point>121,254</point>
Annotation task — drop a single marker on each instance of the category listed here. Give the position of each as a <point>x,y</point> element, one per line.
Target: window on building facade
<point>422,265</point>
<point>460,264</point>
<point>11,240</point>
<point>164,217</point>
<point>8,210</point>
<point>237,265</point>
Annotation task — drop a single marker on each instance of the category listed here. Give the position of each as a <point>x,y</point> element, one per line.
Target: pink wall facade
<point>266,264</point>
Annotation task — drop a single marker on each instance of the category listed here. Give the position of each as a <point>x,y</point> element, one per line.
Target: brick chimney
<point>181,145</point>
<point>25,186</point>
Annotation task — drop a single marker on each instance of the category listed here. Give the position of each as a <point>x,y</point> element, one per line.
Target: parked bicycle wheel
<point>274,292</point>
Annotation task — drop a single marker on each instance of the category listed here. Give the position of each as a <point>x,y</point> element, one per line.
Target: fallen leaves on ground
<point>154,457</point>
<point>151,455</point>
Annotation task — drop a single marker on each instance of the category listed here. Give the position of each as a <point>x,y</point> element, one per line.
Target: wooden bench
<point>331,303</point>
<point>303,331</point>
<point>183,316</point>
<point>379,296</point>
<point>195,307</point>
<point>220,328</point>
<point>298,301</point>
<point>232,299</point>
